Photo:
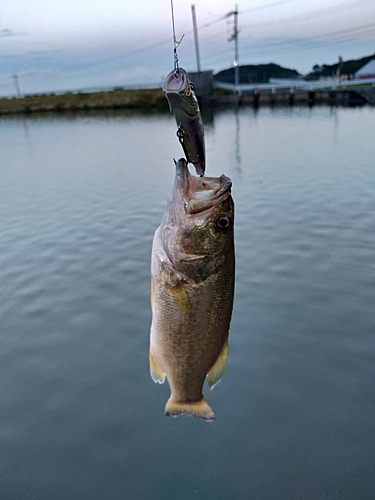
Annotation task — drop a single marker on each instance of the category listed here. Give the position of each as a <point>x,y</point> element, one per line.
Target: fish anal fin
<point>156,372</point>
<point>217,371</point>
<point>199,409</point>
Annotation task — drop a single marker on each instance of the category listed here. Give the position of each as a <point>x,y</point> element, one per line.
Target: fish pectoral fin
<point>156,372</point>
<point>217,371</point>
<point>180,298</point>
<point>199,409</point>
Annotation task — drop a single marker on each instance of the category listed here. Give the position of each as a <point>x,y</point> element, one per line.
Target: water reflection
<point>237,142</point>
<point>192,290</point>
<point>208,116</point>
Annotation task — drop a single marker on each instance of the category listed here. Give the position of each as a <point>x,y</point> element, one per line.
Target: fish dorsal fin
<point>156,372</point>
<point>199,409</point>
<point>216,372</point>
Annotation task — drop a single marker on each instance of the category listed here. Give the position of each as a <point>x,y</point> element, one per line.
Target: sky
<point>90,44</point>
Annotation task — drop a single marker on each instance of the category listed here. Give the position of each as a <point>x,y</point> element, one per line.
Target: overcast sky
<point>80,44</point>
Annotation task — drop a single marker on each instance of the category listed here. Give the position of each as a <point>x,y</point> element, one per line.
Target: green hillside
<point>259,73</point>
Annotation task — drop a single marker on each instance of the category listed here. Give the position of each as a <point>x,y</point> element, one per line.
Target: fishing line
<point>175,42</point>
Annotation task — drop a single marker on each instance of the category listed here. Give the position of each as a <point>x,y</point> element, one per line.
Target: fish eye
<point>224,222</point>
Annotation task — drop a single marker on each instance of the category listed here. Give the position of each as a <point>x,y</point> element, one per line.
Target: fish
<point>184,106</point>
<point>192,290</point>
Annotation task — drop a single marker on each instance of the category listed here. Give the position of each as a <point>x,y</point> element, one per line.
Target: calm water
<point>80,199</point>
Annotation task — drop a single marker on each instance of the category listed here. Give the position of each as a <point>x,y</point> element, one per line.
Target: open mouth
<point>206,192</point>
<point>199,193</point>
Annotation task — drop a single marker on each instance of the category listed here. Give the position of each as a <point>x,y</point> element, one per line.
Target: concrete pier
<point>346,97</point>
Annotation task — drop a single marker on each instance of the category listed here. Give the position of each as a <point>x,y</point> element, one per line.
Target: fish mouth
<point>199,193</point>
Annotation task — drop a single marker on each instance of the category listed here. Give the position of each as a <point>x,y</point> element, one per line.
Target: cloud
<point>36,72</point>
<point>43,55</point>
<point>6,32</point>
<point>138,71</point>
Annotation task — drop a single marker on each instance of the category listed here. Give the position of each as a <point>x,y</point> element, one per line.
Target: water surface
<point>80,199</point>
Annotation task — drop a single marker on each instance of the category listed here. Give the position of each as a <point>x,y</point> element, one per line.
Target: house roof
<point>367,69</point>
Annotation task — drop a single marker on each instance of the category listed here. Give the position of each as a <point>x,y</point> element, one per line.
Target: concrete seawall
<point>345,97</point>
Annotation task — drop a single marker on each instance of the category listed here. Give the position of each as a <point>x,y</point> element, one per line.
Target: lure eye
<point>224,222</point>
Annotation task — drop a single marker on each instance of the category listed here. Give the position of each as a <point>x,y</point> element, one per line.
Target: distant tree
<point>316,67</point>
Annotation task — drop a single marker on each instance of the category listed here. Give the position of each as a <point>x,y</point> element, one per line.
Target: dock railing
<point>284,85</point>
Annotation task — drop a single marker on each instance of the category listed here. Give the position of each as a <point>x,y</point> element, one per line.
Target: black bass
<point>184,106</point>
<point>192,287</point>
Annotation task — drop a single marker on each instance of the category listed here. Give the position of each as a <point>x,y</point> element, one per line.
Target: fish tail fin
<point>199,409</point>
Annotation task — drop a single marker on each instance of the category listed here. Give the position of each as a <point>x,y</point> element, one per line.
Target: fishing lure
<point>184,106</point>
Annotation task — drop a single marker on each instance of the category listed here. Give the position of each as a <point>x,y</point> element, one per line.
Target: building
<point>203,82</point>
<point>367,71</point>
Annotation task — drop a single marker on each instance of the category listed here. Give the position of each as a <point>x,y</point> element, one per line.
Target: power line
<point>323,37</point>
<point>268,5</point>
<point>276,47</point>
<point>307,15</point>
<point>302,45</point>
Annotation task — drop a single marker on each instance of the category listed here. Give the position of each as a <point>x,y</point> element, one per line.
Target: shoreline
<point>145,99</point>
<point>154,100</point>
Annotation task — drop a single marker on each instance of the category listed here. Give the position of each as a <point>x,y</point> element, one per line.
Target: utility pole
<point>16,83</point>
<point>234,37</point>
<point>196,38</point>
<point>339,67</point>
